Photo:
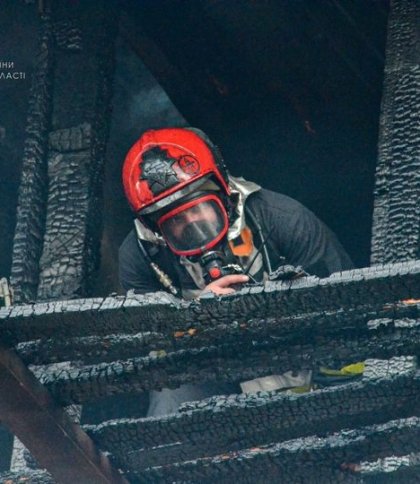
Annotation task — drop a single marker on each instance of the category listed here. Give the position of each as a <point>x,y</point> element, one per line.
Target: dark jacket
<point>297,235</point>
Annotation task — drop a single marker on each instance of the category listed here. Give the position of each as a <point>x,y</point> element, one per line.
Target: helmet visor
<point>195,226</point>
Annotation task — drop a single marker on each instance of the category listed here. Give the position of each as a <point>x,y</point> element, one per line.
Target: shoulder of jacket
<point>274,201</point>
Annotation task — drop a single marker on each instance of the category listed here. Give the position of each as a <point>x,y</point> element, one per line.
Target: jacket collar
<point>242,189</point>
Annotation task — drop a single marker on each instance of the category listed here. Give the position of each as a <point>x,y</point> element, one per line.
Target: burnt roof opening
<point>290,92</point>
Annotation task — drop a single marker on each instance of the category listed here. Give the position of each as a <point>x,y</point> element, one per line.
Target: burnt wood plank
<point>329,459</point>
<point>396,215</point>
<point>371,287</point>
<point>227,363</point>
<point>55,441</point>
<point>389,331</point>
<point>389,390</point>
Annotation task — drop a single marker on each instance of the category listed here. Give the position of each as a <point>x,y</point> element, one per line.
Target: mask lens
<point>195,226</point>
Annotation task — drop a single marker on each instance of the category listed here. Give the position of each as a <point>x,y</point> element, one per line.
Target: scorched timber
<point>331,459</point>
<point>389,390</point>
<point>227,363</point>
<point>369,287</point>
<point>392,330</point>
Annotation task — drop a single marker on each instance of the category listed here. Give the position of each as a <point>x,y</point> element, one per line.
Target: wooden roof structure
<point>82,349</point>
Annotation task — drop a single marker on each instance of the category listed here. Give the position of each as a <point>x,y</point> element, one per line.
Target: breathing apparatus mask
<point>196,228</point>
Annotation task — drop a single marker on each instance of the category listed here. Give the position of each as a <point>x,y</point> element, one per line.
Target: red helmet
<point>166,164</point>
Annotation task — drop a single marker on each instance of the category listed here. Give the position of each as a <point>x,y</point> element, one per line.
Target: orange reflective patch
<point>243,245</point>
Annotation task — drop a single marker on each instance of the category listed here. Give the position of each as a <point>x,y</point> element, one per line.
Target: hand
<point>223,285</point>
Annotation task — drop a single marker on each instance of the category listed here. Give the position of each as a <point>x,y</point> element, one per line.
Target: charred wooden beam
<point>389,331</point>
<point>58,232</point>
<point>227,363</point>
<point>91,349</point>
<point>289,341</point>
<point>396,216</point>
<point>368,289</point>
<point>30,218</point>
<point>329,459</point>
<point>389,390</point>
<point>405,468</point>
<point>55,441</point>
<point>82,77</point>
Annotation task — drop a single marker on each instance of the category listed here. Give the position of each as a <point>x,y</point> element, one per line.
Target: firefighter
<point>199,229</point>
